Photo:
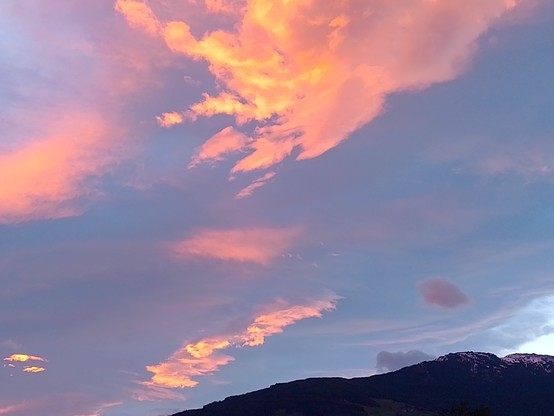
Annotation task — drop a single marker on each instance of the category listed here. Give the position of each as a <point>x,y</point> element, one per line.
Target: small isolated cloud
<point>170,119</point>
<point>226,141</point>
<point>254,245</point>
<point>204,357</point>
<point>14,361</point>
<point>441,293</point>
<point>392,361</point>
<point>33,369</point>
<point>23,358</point>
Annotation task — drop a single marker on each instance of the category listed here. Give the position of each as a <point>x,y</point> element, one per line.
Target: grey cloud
<point>392,361</point>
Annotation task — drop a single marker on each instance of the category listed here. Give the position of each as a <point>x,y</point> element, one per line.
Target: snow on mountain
<point>482,360</point>
<point>543,362</point>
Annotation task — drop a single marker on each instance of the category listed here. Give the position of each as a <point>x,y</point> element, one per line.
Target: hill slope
<point>516,385</point>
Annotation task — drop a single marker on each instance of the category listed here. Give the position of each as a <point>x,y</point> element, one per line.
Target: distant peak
<point>528,358</point>
<point>484,361</point>
<point>468,356</point>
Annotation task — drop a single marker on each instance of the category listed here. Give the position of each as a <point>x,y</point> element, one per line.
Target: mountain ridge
<point>514,385</point>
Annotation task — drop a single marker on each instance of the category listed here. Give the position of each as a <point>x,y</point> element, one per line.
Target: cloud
<point>393,361</point>
<point>33,369</point>
<point>441,293</point>
<point>254,245</point>
<point>170,119</point>
<point>226,141</point>
<point>138,15</point>
<point>257,183</point>
<point>23,358</point>
<point>531,159</point>
<point>529,329</point>
<point>309,73</point>
<point>204,357</point>
<point>64,119</point>
<point>15,359</point>
<point>48,175</point>
<point>224,6</point>
<point>150,392</point>
<point>58,405</point>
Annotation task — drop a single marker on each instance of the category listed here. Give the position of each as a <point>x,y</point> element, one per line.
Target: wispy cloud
<point>139,15</point>
<point>257,183</point>
<point>226,141</point>
<point>255,245</point>
<point>204,357</point>
<point>310,73</point>
<point>59,405</point>
<point>49,175</point>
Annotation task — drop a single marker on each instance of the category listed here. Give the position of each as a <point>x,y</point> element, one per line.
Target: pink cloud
<point>65,130</point>
<point>441,293</point>
<point>59,405</point>
<point>48,175</point>
<point>139,15</point>
<point>226,141</point>
<point>254,245</point>
<point>204,357</point>
<point>257,183</point>
<point>309,73</point>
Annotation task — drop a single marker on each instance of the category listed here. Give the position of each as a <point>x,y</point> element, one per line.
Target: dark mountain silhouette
<point>516,385</point>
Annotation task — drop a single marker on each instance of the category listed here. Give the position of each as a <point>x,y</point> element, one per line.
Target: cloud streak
<point>309,73</point>
<point>253,245</point>
<point>204,357</point>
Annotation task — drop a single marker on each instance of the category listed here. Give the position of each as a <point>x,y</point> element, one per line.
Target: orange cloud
<point>275,321</point>
<point>203,357</point>
<point>138,15</point>
<point>34,369</point>
<point>310,72</point>
<point>23,358</point>
<point>226,141</point>
<point>170,119</point>
<point>255,245</point>
<point>47,176</point>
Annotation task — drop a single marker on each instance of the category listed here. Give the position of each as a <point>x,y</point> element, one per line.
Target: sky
<point>200,198</point>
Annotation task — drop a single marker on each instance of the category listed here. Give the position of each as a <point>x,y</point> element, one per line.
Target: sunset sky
<point>200,198</point>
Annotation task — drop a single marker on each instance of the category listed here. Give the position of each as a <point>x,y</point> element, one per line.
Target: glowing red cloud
<point>203,357</point>
<point>310,72</point>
